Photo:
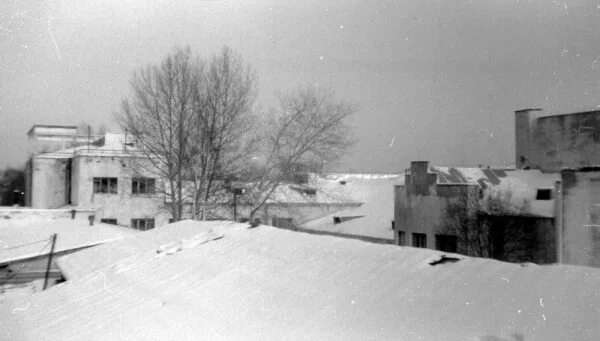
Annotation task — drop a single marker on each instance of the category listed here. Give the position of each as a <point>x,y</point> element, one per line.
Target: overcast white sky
<point>434,80</point>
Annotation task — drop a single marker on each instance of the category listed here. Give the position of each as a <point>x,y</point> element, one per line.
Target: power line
<point>26,244</point>
<point>15,273</point>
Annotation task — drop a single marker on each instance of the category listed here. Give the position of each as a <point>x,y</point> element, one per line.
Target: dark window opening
<point>142,186</point>
<point>419,240</point>
<point>143,224</point>
<point>445,243</point>
<point>401,238</point>
<point>544,194</point>
<point>109,221</point>
<point>105,185</point>
<point>282,222</point>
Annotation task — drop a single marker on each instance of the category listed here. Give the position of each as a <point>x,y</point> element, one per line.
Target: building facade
<point>108,175</point>
<point>103,174</point>
<point>578,213</point>
<point>496,213</point>
<point>553,142</point>
<point>557,176</point>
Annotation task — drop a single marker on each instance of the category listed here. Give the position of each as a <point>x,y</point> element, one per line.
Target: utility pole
<point>236,192</point>
<point>49,261</point>
<point>234,206</point>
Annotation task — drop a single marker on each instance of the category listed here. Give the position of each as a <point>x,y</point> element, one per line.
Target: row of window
<point>138,185</point>
<point>143,224</point>
<point>443,242</point>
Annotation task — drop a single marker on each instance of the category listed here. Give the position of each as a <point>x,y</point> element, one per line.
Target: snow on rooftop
<point>111,144</point>
<point>28,236</point>
<point>328,189</point>
<point>373,216</point>
<point>268,283</point>
<point>522,185</point>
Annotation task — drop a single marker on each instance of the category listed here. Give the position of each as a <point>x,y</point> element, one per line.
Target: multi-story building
<point>110,176</point>
<point>105,174</point>
<point>557,175</point>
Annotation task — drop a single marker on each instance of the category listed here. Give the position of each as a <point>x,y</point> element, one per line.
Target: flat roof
<point>49,126</point>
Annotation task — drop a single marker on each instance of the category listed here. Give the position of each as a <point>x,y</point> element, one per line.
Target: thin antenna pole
<point>49,261</point>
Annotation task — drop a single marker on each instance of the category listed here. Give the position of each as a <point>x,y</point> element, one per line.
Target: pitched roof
<point>267,283</point>
<point>520,185</point>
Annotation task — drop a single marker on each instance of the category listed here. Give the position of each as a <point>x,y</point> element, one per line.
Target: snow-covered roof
<point>373,217</point>
<point>111,144</point>
<point>268,283</point>
<point>26,237</point>
<point>520,185</point>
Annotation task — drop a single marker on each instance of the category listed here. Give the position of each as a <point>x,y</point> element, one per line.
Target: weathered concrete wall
<point>122,206</point>
<point>418,214</point>
<point>555,142</point>
<point>28,182</point>
<point>568,140</point>
<point>48,183</point>
<point>558,221</point>
<point>42,139</point>
<point>581,216</point>
<point>524,119</point>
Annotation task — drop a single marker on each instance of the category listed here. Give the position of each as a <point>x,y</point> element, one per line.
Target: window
<point>401,238</point>
<point>419,240</point>
<point>544,194</point>
<point>445,243</point>
<point>109,221</point>
<point>142,186</point>
<point>282,222</point>
<point>142,224</point>
<point>105,185</point>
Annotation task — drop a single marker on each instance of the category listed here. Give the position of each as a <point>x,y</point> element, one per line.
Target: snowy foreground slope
<point>220,280</point>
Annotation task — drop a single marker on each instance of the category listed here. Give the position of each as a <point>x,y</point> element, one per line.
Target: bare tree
<point>306,133</point>
<point>193,123</point>
<point>475,222</point>
<point>12,186</point>
<point>160,115</point>
<point>221,135</point>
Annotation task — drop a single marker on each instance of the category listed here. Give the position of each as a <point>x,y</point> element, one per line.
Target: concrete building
<point>569,144</point>
<point>554,142</point>
<point>108,175</point>
<point>104,174</point>
<point>578,216</point>
<point>435,203</point>
<point>557,174</point>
